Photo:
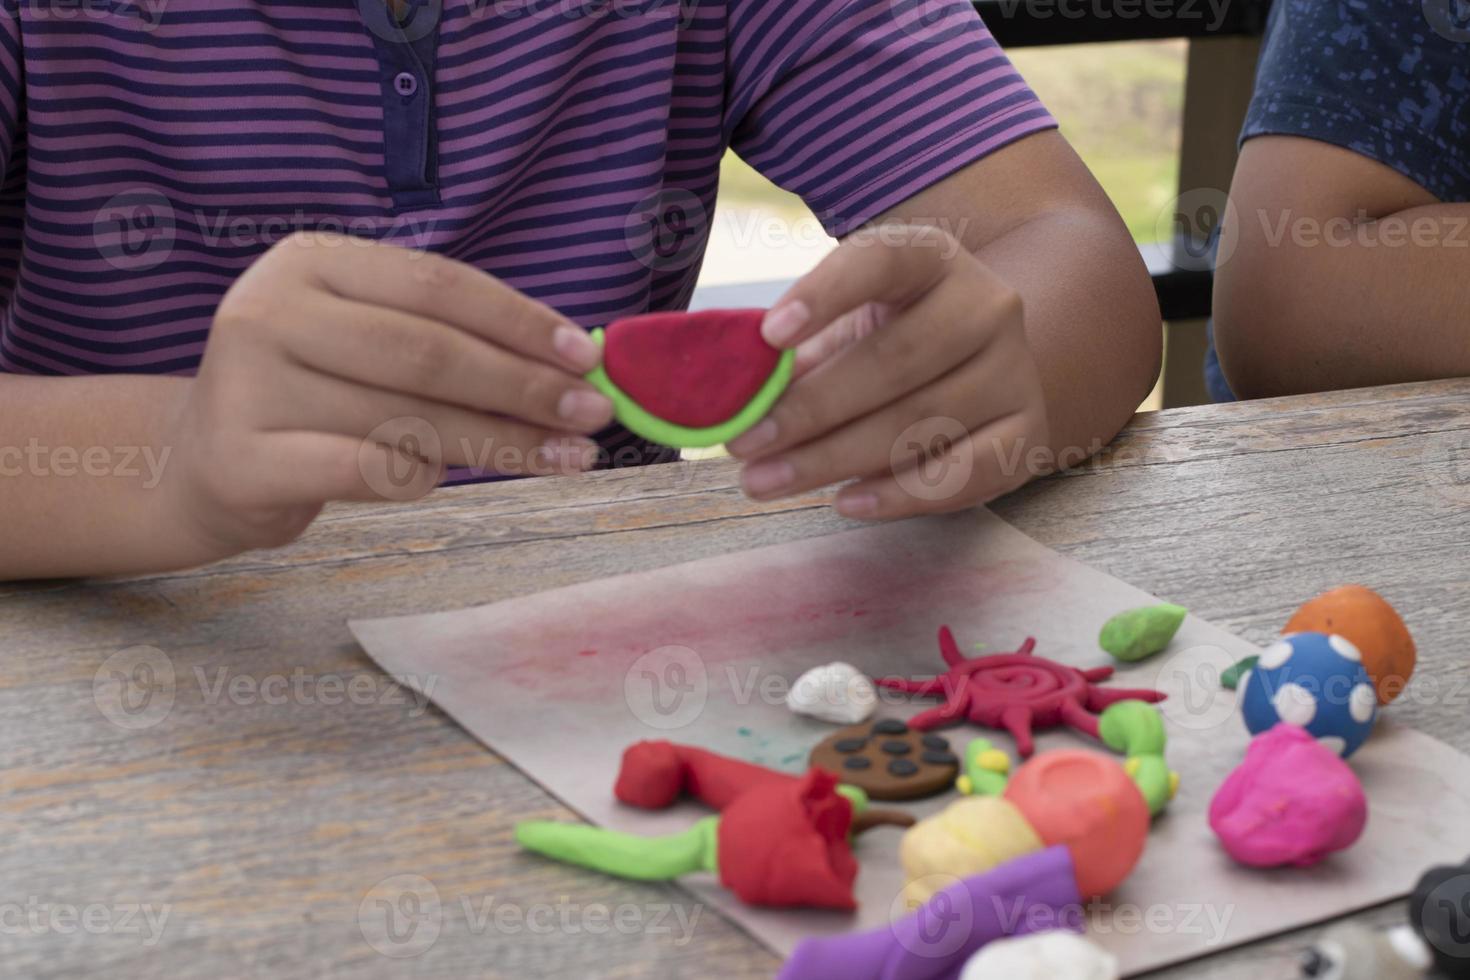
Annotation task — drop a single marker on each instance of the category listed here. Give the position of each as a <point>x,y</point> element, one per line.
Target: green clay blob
<point>1140,633</point>
<point>640,421</point>
<point>1230,676</point>
<point>1136,729</point>
<point>987,770</point>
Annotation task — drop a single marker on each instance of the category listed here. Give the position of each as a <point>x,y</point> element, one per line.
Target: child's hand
<point>909,350</point>
<point>339,369</point>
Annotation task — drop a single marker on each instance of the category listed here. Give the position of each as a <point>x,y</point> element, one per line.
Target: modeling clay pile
<point>1311,699</point>
<point>1080,800</point>
<point>779,840</point>
<point>1015,691</point>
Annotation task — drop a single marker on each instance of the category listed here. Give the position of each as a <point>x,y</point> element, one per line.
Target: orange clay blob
<point>1366,620</point>
<point>1085,801</point>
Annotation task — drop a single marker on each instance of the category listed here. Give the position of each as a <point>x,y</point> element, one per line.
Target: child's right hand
<point>341,369</point>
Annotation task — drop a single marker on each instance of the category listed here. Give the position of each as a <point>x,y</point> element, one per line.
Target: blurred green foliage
<point>1118,105</point>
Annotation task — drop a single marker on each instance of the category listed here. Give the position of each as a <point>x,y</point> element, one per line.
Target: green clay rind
<point>625,855</point>
<point>640,421</point>
<point>855,795</point>
<point>1230,676</point>
<point>1136,729</point>
<point>1139,633</point>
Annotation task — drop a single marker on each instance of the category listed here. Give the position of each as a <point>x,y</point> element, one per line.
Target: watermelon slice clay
<point>691,380</point>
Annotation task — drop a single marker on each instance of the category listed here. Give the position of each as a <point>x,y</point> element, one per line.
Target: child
<point>295,252</point>
<point>1343,254</point>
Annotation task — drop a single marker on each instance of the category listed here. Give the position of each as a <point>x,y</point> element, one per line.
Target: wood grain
<point>288,778</point>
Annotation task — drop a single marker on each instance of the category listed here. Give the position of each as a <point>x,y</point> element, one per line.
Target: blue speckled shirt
<point>1389,79</point>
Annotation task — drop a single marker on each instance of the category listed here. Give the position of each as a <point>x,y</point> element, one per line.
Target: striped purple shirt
<point>153,149</point>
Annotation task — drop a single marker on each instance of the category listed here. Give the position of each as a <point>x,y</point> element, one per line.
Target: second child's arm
<point>1337,271</point>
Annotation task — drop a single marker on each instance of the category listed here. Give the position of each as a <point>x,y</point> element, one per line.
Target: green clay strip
<point>1230,677</point>
<point>1139,633</point>
<point>641,422</point>
<point>1136,729</point>
<point>624,855</point>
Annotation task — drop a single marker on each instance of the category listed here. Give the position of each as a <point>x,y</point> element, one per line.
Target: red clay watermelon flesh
<point>692,369</point>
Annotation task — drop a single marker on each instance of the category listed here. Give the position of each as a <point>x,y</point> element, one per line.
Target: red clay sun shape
<point>1015,691</point>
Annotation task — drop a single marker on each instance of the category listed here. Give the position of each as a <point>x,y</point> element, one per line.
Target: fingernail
<point>782,324</point>
<point>576,348</point>
<point>756,438</point>
<point>769,477</point>
<point>572,454</point>
<point>585,409</point>
<point>859,505</point>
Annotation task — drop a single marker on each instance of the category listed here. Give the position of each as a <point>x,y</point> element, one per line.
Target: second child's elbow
<point>1263,337</point>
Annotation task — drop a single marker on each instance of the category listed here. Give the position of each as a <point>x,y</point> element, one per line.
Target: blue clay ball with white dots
<point>1314,681</point>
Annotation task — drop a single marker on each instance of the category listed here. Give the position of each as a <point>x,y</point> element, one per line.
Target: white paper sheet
<point>702,653</point>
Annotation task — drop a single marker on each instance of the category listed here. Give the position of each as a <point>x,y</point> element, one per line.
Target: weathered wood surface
<point>259,816</point>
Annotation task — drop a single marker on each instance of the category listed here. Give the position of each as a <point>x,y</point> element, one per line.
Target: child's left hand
<point>914,378</point>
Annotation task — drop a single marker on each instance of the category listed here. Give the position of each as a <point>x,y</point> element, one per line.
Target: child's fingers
<point>430,430</point>
<point>977,393</point>
<point>947,327</point>
<point>838,336</point>
<point>301,469</point>
<point>443,289</point>
<point>937,488</point>
<point>892,264</point>
<point>409,354</point>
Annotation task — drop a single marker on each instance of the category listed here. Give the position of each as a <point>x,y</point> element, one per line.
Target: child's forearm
<point>1337,271</point>
<point>83,476</point>
<point>1092,321</point>
<point>1347,304</point>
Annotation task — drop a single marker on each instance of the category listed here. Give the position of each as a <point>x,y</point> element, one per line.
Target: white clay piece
<point>835,692</point>
<point>1042,956</point>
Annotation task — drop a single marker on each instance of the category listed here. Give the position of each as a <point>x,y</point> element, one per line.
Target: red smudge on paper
<point>822,598</point>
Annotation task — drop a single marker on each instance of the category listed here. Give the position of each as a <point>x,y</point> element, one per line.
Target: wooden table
<point>287,778</point>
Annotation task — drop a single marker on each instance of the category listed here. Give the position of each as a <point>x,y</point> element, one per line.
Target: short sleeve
<point>857,105</point>
<point>1388,79</point>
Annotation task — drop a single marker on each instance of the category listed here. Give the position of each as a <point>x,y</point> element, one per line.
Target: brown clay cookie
<point>889,760</point>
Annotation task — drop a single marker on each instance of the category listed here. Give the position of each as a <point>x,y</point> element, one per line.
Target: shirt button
<point>405,84</point>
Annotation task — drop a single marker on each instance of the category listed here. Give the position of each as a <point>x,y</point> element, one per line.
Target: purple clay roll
<point>1035,893</point>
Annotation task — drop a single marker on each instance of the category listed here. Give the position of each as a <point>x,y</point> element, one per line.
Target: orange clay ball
<point>1086,802</point>
<point>1366,620</point>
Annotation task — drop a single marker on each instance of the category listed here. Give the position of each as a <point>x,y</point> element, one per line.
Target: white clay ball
<point>1042,956</point>
<point>835,692</point>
